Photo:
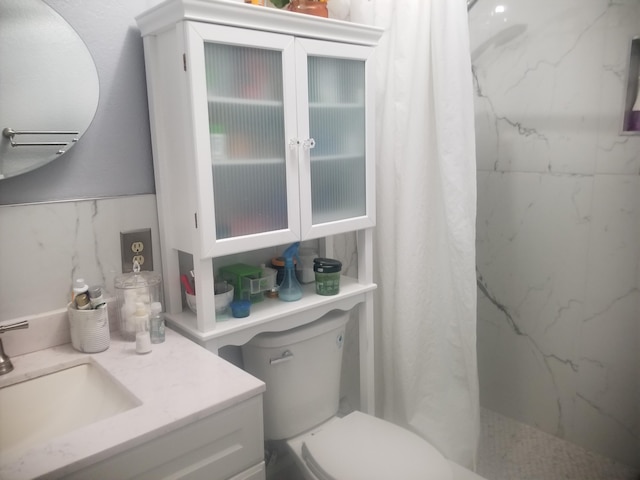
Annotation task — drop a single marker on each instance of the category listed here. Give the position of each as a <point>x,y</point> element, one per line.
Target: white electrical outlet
<point>136,246</point>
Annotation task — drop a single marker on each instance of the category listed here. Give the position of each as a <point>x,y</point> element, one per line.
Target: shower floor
<point>510,450</point>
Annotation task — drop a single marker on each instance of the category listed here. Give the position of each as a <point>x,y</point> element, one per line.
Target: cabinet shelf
<point>271,315</point>
<point>257,103</point>
<point>244,102</point>
<point>337,157</point>
<point>251,103</point>
<point>336,106</point>
<point>249,162</point>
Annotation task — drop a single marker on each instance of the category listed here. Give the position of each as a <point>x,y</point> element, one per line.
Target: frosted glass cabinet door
<point>248,174</point>
<point>335,118</point>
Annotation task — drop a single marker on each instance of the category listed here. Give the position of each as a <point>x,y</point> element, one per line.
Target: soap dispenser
<point>290,289</point>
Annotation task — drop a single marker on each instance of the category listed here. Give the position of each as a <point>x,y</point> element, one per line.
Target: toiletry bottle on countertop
<point>82,302</point>
<point>79,287</point>
<point>156,321</point>
<point>97,299</point>
<point>290,290</point>
<point>80,294</point>
<point>143,337</point>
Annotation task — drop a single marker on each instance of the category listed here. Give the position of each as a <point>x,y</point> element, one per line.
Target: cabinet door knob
<point>309,143</point>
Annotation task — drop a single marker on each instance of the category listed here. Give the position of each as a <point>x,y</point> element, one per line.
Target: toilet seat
<point>362,447</point>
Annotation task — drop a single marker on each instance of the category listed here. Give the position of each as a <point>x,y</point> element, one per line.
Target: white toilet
<point>301,368</point>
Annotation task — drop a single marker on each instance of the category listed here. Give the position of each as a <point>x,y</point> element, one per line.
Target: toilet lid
<point>362,447</point>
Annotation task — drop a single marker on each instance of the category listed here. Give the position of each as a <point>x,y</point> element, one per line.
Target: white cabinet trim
<point>226,12</point>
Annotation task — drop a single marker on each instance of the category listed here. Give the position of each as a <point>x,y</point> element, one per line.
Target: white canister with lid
<point>304,269</point>
<point>131,289</point>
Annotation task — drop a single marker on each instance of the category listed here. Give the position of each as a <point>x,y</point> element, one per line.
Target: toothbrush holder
<point>89,329</point>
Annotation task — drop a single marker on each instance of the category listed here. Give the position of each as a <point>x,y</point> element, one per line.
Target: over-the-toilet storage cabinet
<point>263,134</point>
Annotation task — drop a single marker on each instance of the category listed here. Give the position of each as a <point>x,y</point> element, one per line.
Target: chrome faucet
<point>5,363</point>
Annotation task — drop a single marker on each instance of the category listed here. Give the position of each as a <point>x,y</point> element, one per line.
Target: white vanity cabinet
<point>227,445</point>
<point>263,134</point>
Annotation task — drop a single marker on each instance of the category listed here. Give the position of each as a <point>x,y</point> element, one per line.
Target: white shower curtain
<point>426,301</point>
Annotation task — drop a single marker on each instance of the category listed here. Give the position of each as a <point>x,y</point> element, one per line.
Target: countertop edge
<point>178,383</point>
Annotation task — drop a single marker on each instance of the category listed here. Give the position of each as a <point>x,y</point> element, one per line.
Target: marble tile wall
<point>558,229</point>
<point>44,246</point>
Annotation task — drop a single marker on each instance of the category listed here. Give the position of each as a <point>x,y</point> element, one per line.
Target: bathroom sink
<point>47,406</point>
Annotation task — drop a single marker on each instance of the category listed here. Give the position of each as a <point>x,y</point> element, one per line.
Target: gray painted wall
<point>113,157</point>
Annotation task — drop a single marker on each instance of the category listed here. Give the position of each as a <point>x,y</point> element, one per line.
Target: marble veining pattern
<point>558,225</point>
<point>176,384</point>
<point>44,246</point>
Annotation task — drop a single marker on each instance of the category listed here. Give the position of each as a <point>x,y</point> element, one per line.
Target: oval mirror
<point>48,86</point>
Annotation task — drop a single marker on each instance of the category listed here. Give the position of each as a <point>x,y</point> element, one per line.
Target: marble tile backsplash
<point>558,228</point>
<point>44,246</point>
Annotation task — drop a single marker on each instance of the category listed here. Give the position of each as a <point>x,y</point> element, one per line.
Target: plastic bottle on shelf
<point>156,323</point>
<point>304,269</point>
<point>290,289</point>
<point>634,115</point>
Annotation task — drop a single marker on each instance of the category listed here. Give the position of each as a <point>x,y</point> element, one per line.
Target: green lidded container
<point>327,271</point>
<point>240,275</point>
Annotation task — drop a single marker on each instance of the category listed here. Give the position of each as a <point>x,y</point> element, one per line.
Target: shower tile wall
<point>558,230</point>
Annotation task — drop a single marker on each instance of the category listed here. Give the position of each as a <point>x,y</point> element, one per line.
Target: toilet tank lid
<point>331,321</point>
<point>362,447</point>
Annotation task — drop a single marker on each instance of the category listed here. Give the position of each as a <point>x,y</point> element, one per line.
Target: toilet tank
<point>301,368</point>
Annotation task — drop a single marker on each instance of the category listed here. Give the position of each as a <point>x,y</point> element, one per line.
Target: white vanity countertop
<point>177,383</point>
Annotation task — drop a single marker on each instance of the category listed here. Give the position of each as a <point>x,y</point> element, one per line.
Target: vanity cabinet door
<point>335,126</point>
<point>243,95</point>
<point>216,447</point>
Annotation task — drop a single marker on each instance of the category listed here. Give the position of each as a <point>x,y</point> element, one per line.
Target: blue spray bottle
<point>290,290</point>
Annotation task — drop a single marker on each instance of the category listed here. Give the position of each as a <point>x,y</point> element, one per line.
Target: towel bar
<point>10,133</point>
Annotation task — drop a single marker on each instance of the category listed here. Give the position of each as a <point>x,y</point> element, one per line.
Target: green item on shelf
<point>240,275</point>
<point>327,271</point>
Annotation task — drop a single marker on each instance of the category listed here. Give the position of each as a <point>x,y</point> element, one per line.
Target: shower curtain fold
<point>425,240</point>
